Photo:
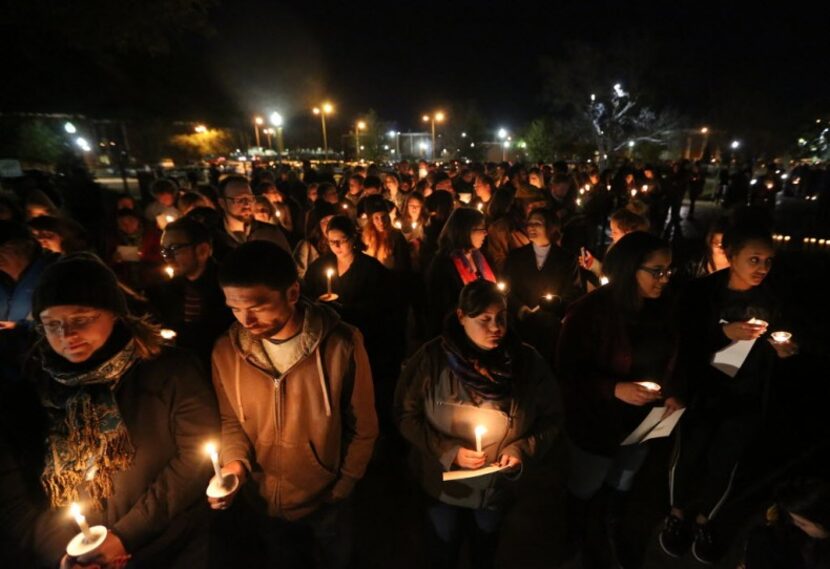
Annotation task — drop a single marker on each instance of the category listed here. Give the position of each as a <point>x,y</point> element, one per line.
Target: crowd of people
<point>308,324</point>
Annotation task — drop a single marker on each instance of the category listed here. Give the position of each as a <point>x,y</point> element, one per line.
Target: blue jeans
<point>447,527</point>
<point>588,472</point>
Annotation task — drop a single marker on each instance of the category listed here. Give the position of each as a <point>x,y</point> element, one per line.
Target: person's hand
<point>672,404</point>
<point>109,555</point>
<point>235,467</point>
<point>586,260</point>
<point>469,459</point>
<point>737,331</point>
<point>7,325</point>
<point>635,394</point>
<point>510,462</point>
<point>784,349</point>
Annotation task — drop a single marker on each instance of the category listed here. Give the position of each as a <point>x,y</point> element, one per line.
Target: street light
<point>70,128</point>
<point>277,121</point>
<point>83,144</point>
<point>360,125</point>
<point>258,122</point>
<point>323,110</point>
<point>438,117</point>
<point>200,128</point>
<point>502,133</point>
<point>735,145</point>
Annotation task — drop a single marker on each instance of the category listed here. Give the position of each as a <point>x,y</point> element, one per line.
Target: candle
<point>414,225</point>
<point>603,281</point>
<point>480,430</point>
<point>169,219</point>
<point>398,225</point>
<point>548,297</point>
<point>329,274</point>
<point>781,337</point>
<point>578,201</point>
<point>75,509</point>
<point>757,322</point>
<point>279,213</point>
<point>480,206</point>
<point>501,286</point>
<point>650,385</point>
<point>345,206</point>
<point>170,271</point>
<point>644,188</point>
<point>214,458</point>
<point>168,334</point>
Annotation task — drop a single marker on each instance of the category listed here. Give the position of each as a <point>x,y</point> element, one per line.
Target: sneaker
<point>675,537</point>
<point>703,548</point>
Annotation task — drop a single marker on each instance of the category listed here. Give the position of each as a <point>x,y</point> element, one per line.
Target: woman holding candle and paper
<point>127,421</point>
<point>612,341</point>
<point>476,381</point>
<point>726,321</point>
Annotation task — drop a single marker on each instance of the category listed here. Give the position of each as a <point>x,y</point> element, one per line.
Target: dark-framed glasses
<point>77,323</point>
<point>171,251</point>
<point>658,273</point>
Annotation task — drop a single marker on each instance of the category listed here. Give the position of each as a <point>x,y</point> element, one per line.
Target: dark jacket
<point>443,284</point>
<point>199,335</point>
<point>436,414</point>
<point>559,275</point>
<point>596,351</point>
<point>170,412</point>
<point>224,242</point>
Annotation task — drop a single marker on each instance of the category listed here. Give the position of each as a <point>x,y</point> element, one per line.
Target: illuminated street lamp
<point>277,121</point>
<point>323,110</point>
<point>360,125</point>
<point>736,144</point>
<point>69,128</point>
<point>200,129</point>
<point>258,122</point>
<point>438,117</point>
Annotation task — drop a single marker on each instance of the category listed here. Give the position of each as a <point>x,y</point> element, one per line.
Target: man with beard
<point>295,395</point>
<point>237,202</point>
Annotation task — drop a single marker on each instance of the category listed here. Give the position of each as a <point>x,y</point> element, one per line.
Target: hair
<point>164,186</point>
<point>18,236</point>
<point>629,221</point>
<point>808,498</point>
<point>740,234</point>
<point>378,244</point>
<point>478,296</point>
<point>264,186</point>
<point>72,234</point>
<point>501,202</point>
<point>258,263</point>
<point>357,177</point>
<point>188,200</point>
<point>196,231</point>
<point>485,179</point>
<point>313,233</point>
<point>10,207</point>
<point>372,182</point>
<point>405,209</point>
<point>263,201</point>
<point>233,179</point>
<point>622,263</point>
<point>394,176</point>
<point>439,205</point>
<point>553,225</point>
<point>456,233</point>
<point>345,224</point>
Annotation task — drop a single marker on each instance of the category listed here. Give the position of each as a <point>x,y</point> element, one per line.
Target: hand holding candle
<point>89,540</point>
<point>80,519</point>
<point>329,274</point>
<point>222,486</point>
<point>214,458</point>
<point>480,431</point>
<point>170,271</point>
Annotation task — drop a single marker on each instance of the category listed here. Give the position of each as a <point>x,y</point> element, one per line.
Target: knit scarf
<point>468,274</point>
<point>486,374</point>
<point>88,441</point>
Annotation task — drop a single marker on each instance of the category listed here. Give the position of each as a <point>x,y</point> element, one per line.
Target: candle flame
<point>329,272</point>
<point>603,281</point>
<point>169,219</point>
<point>210,448</point>
<point>168,334</point>
<point>75,509</point>
<point>170,271</point>
<point>548,296</point>
<point>501,286</point>
<point>480,430</point>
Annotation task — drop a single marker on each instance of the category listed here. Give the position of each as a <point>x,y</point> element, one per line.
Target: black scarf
<point>486,374</point>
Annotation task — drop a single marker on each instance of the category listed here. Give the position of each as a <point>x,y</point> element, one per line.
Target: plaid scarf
<point>88,441</point>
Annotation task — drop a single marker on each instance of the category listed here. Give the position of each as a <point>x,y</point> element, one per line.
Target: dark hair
<point>478,296</point>
<point>372,182</point>
<point>127,212</point>
<point>456,233</point>
<point>501,202</point>
<point>807,497</point>
<point>188,200</point>
<point>553,225</point>
<point>196,231</point>
<point>258,263</point>
<point>264,186</point>
<point>164,186</point>
<point>72,234</point>
<point>263,201</point>
<point>345,224</point>
<point>739,235</point>
<point>230,181</point>
<point>313,234</point>
<point>357,177</point>
<point>623,261</point>
<point>439,205</point>
<point>629,221</point>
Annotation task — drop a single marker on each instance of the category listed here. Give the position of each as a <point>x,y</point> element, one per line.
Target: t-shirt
<point>282,353</point>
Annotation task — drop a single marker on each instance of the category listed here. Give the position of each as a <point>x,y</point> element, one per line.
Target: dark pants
<point>447,526</point>
<point>245,539</point>
<point>707,451</point>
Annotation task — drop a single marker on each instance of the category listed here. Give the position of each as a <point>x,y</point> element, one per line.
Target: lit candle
<point>548,297</point>
<point>644,188</point>
<point>650,385</point>
<point>75,509</point>
<point>214,458</point>
<point>345,206</point>
<point>169,219</point>
<point>480,206</point>
<point>398,225</point>
<point>633,193</point>
<point>168,334</point>
<point>501,286</point>
<point>781,337</point>
<point>170,271</point>
<point>329,274</point>
<point>603,281</point>
<point>480,430</point>
<point>578,201</point>
<point>414,225</point>
<point>279,213</point>
<point>757,322</point>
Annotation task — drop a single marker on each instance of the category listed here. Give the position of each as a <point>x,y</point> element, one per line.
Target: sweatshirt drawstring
<point>238,390</point>
<point>323,382</point>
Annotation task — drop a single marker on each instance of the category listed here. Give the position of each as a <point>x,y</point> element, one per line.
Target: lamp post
<point>323,110</point>
<point>437,117</point>
<point>277,122</point>
<point>359,125</point>
<point>505,143</point>
<point>705,132</point>
<point>258,122</point>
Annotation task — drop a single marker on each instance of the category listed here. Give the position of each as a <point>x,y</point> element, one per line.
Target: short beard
<point>244,219</point>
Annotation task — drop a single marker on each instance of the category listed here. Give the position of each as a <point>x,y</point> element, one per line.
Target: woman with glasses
<point>726,404</point>
<point>615,354</point>
<point>459,261</point>
<point>126,423</point>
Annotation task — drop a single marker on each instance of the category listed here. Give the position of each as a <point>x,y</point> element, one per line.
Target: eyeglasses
<point>172,250</point>
<point>658,274</point>
<point>338,242</point>
<point>479,230</point>
<point>243,200</point>
<point>78,323</point>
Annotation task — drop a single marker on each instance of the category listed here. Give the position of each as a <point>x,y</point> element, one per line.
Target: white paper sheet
<point>654,426</point>
<point>730,359</point>
<point>464,474</point>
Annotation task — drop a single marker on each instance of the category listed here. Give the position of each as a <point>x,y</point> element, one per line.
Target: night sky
<point>732,67</point>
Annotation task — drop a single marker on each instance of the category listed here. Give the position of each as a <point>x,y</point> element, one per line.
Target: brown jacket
<point>306,435</point>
